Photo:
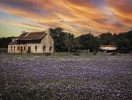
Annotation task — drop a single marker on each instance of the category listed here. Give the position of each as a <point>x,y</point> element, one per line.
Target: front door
<point>29,49</point>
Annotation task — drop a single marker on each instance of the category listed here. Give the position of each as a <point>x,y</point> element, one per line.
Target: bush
<point>77,53</point>
<point>48,54</point>
<point>3,49</point>
<point>113,53</point>
<point>94,52</point>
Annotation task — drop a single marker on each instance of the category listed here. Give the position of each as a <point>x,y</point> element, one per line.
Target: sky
<point>74,16</point>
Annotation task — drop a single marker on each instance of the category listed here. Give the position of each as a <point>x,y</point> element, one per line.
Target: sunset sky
<point>74,16</point>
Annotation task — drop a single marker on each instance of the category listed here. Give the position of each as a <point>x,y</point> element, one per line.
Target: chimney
<point>48,31</point>
<point>23,32</point>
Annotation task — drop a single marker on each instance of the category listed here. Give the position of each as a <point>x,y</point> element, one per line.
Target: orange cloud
<point>75,16</point>
<point>122,10</point>
<point>22,25</point>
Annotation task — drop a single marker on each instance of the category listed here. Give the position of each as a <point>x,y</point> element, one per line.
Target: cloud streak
<point>75,16</point>
<point>122,10</point>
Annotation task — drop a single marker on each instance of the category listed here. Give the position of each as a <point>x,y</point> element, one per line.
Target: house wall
<point>11,49</point>
<point>17,48</point>
<point>35,48</point>
<point>48,42</point>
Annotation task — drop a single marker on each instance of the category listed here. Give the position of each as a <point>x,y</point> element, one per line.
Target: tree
<point>0,43</point>
<point>69,42</point>
<point>63,40</point>
<point>106,38</point>
<point>5,41</point>
<point>124,41</point>
<point>77,44</point>
<point>88,41</point>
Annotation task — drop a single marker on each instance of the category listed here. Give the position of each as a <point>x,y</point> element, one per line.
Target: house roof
<point>32,35</point>
<point>108,47</point>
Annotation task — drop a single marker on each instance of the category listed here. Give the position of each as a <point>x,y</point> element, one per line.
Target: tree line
<point>67,42</point>
<point>4,41</point>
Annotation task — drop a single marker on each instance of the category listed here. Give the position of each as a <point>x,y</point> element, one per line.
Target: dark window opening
<point>14,47</point>
<point>11,48</point>
<point>21,49</point>
<point>35,48</point>
<point>29,49</point>
<point>50,48</point>
<point>44,48</point>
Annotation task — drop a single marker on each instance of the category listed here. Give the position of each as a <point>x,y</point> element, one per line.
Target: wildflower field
<point>65,77</point>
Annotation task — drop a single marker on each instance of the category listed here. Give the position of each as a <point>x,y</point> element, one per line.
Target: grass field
<point>63,76</point>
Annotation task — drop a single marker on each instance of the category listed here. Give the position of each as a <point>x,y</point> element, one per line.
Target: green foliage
<point>48,54</point>
<point>77,53</point>
<point>123,41</point>
<point>113,53</point>
<point>5,41</point>
<point>3,49</point>
<point>89,42</point>
<point>63,41</point>
<point>106,38</point>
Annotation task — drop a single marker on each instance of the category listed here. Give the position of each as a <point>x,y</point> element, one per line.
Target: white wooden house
<point>32,42</point>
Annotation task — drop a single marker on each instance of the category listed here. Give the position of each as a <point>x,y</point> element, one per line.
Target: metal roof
<point>108,47</point>
<point>32,35</point>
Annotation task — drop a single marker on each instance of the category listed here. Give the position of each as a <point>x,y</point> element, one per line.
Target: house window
<point>35,48</point>
<point>44,48</point>
<point>29,49</point>
<point>50,48</point>
<point>24,48</point>
<point>14,47</point>
<point>21,48</point>
<point>18,48</point>
<point>11,48</point>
